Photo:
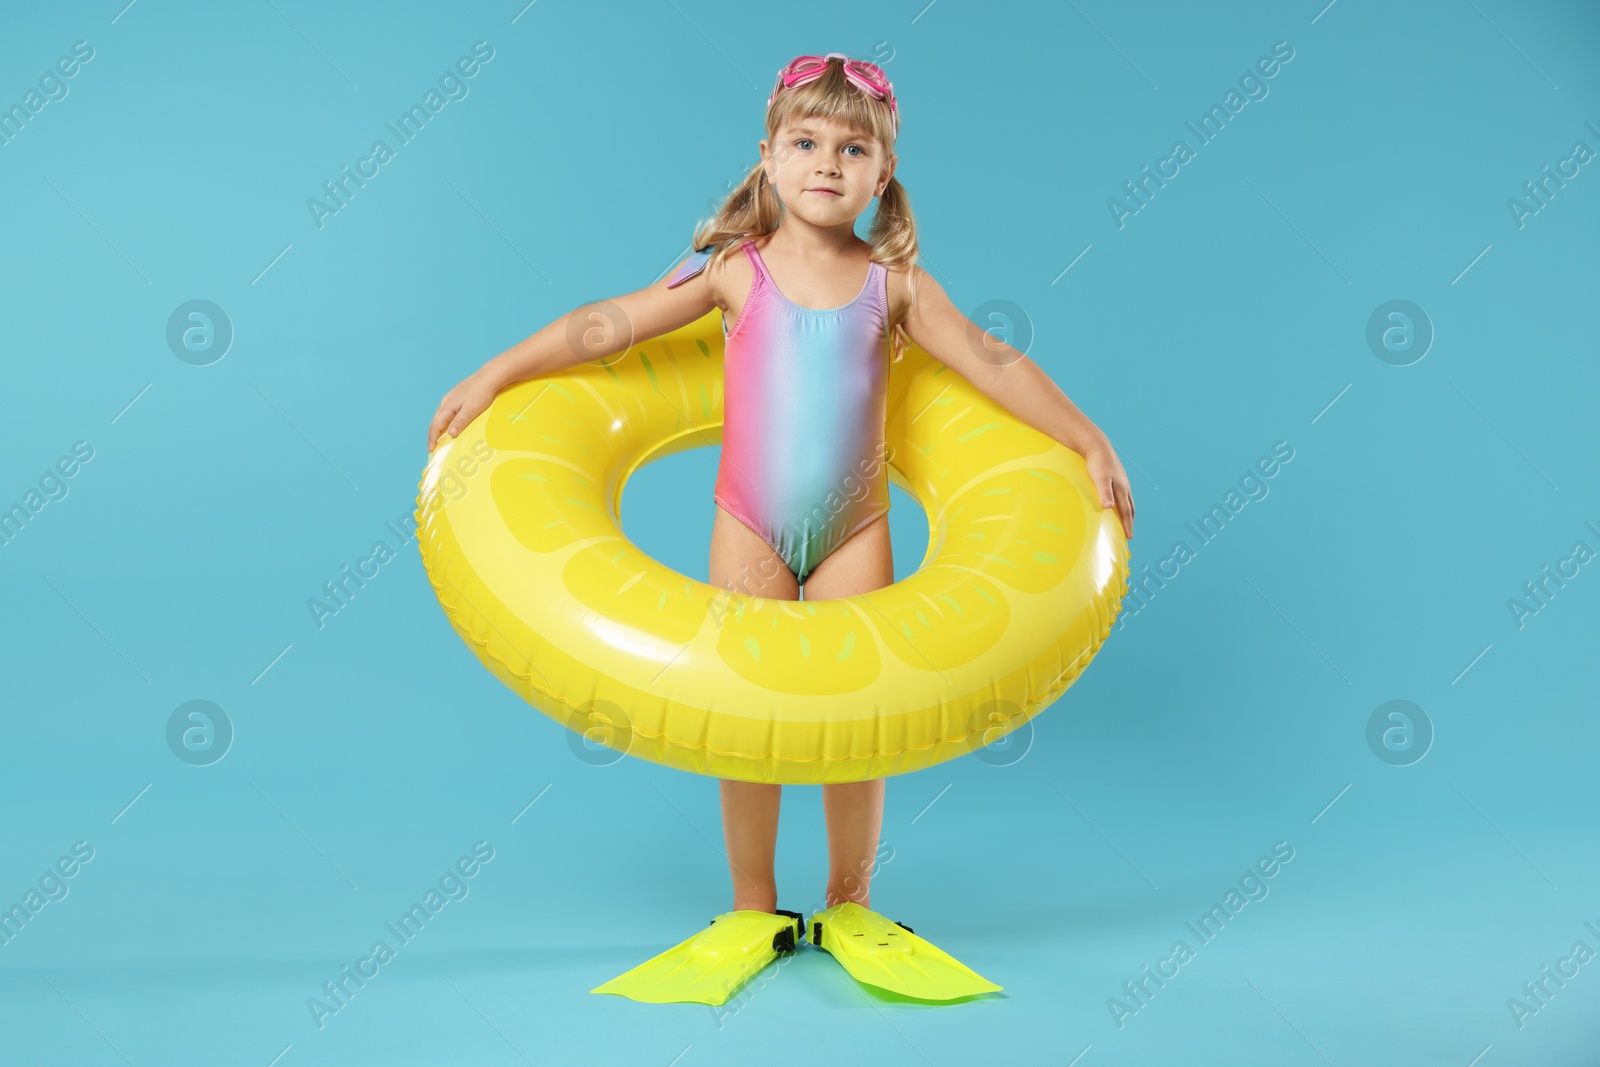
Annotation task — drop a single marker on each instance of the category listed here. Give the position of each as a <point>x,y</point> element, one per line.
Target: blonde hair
<point>754,210</point>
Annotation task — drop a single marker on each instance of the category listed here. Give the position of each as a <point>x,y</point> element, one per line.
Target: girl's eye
<point>856,147</point>
<point>803,143</point>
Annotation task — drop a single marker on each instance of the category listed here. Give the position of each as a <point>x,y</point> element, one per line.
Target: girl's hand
<point>1105,470</point>
<point>460,406</point>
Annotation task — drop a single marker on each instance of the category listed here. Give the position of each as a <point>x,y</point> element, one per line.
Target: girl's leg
<point>750,827</point>
<point>743,562</point>
<point>854,810</point>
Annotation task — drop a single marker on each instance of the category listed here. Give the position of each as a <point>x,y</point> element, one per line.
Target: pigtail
<point>751,210</point>
<point>894,244</point>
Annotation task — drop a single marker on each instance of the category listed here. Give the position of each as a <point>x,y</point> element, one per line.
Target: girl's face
<point>824,172</point>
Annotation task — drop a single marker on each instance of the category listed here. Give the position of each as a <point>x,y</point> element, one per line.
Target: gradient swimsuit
<point>804,395</point>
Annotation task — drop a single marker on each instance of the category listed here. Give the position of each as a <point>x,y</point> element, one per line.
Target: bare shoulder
<point>730,275</point>
<point>715,276</point>
<point>900,290</point>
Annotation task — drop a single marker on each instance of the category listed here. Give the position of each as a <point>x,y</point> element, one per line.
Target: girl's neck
<point>805,241</point>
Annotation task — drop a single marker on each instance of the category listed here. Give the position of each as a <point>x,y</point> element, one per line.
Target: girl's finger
<point>1123,513</point>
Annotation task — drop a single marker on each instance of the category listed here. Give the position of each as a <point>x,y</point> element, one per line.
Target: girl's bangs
<point>832,97</point>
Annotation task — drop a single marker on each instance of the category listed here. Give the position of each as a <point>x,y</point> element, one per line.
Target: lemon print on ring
<point>517,525</point>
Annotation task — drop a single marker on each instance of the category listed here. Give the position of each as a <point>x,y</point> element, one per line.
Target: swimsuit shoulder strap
<point>879,289</point>
<point>755,259</point>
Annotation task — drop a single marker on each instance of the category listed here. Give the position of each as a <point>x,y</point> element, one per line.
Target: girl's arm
<point>594,331</point>
<point>1017,384</point>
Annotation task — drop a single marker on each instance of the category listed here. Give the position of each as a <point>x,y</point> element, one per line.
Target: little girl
<point>816,314</point>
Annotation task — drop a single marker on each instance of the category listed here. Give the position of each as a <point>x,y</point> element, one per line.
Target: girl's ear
<point>887,175</point>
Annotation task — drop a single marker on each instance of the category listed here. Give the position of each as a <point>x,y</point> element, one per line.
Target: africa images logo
<point>452,885</point>
<point>452,87</point>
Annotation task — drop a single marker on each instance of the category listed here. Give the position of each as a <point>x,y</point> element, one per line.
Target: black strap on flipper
<point>784,940</point>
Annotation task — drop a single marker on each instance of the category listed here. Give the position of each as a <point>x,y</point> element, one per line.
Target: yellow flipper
<point>708,967</point>
<point>879,952</point>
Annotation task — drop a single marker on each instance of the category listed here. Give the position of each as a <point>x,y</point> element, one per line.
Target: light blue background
<point>1229,714</point>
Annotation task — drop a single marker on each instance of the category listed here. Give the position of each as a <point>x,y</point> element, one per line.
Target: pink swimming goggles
<point>867,77</point>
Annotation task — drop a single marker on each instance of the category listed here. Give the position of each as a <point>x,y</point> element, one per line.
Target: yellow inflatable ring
<point>518,529</point>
